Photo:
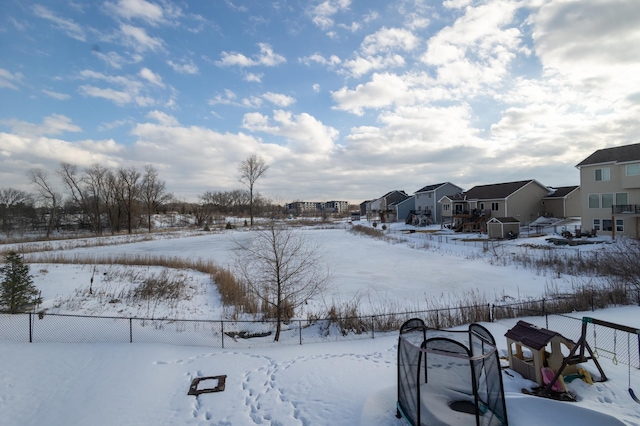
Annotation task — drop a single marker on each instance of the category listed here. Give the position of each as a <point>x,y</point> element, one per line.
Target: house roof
<point>495,191</point>
<point>429,188</point>
<point>395,190</point>
<point>618,154</point>
<point>508,219</point>
<point>531,336</point>
<point>562,191</point>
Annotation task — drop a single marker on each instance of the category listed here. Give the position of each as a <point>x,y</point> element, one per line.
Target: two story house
<point>426,199</point>
<point>470,210</point>
<point>562,202</point>
<point>610,191</point>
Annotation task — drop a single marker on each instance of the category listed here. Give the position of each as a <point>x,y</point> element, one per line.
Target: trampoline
<point>449,377</point>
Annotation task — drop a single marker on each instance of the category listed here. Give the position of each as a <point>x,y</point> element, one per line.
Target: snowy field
<point>335,383</point>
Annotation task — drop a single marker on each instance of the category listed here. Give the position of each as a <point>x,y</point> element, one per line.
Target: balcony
<point>625,209</point>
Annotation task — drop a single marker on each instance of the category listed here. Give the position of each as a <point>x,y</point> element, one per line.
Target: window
<point>596,224</point>
<point>633,169</point>
<point>622,199</point>
<point>606,225</point>
<point>494,207</point>
<point>594,201</point>
<point>603,174</point>
<point>607,201</point>
<point>481,206</point>
<point>619,225</point>
<point>446,207</point>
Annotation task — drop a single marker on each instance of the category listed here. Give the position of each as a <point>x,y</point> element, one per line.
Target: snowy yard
<point>333,383</point>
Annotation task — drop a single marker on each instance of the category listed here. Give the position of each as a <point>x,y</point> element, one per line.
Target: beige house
<point>610,191</point>
<point>562,202</point>
<point>470,210</point>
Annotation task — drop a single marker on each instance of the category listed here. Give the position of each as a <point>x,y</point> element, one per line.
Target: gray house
<point>404,208</point>
<point>428,196</point>
<point>562,202</point>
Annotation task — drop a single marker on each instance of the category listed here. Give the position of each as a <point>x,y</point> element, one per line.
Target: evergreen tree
<point>17,290</point>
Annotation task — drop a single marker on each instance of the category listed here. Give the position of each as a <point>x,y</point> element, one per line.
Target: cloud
<point>594,44</point>
<point>476,51</point>
<point>363,65</point>
<point>383,90</point>
<point>253,77</point>
<point>163,118</point>
<point>322,14</point>
<point>68,26</point>
<point>184,67</point>
<point>317,58</point>
<point>137,9</point>
<point>9,80</point>
<point>56,95</point>
<point>54,124</point>
<point>388,40</point>
<point>304,133</point>
<point>116,96</point>
<point>266,57</point>
<point>151,77</point>
<point>138,39</point>
<point>279,99</point>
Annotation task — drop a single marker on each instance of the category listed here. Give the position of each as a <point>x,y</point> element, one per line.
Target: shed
<point>536,340</point>
<point>499,227</point>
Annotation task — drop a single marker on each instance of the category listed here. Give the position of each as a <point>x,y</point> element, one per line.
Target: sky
<point>344,99</point>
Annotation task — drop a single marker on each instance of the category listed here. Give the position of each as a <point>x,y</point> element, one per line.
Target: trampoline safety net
<point>449,377</point>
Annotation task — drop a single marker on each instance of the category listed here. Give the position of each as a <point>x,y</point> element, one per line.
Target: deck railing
<point>625,209</point>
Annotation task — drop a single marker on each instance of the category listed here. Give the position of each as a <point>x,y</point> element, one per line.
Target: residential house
<point>404,208</point>
<point>336,206</point>
<point>562,202</point>
<point>384,204</point>
<point>427,200</point>
<point>470,210</point>
<point>610,191</point>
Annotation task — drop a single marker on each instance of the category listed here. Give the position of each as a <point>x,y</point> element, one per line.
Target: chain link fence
<point>614,344</point>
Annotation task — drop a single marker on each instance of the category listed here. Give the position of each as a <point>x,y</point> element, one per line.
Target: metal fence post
<point>130,330</point>
<point>222,332</point>
<point>300,329</point>
<point>30,328</point>
<point>373,327</point>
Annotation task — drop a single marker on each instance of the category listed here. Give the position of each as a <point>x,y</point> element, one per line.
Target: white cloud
<point>317,58</point>
<point>151,77</point>
<point>279,99</point>
<point>116,96</point>
<point>388,40</point>
<point>593,44</point>
<point>322,14</point>
<point>9,80</point>
<point>54,124</point>
<point>266,57</point>
<point>184,67</point>
<point>56,95</point>
<point>140,9</point>
<point>68,26</point>
<point>477,49</point>
<point>363,65</point>
<point>305,134</point>
<point>138,39</point>
<point>163,118</point>
<point>253,77</point>
<point>383,90</point>
<point>316,87</point>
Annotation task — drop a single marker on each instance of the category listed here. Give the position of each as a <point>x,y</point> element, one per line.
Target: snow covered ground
<point>334,383</point>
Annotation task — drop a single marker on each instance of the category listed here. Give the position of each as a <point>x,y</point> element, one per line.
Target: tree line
<point>103,200</point>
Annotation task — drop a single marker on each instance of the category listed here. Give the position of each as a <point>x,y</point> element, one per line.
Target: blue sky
<point>344,99</point>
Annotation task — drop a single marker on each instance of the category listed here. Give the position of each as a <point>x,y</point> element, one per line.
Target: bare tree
<point>129,191</point>
<point>10,200</point>
<point>251,170</point>
<point>283,268</point>
<point>47,194</point>
<point>153,192</point>
<point>87,191</point>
